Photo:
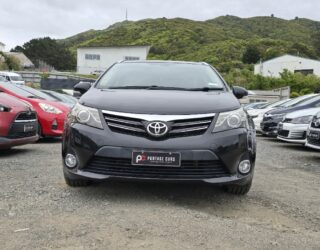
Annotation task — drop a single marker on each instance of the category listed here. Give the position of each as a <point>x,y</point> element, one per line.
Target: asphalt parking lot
<point>38,210</point>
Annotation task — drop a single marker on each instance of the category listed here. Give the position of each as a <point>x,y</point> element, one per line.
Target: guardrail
<point>35,77</point>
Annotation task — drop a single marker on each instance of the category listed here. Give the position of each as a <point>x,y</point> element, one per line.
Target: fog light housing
<point>244,167</point>
<point>54,125</point>
<point>70,161</point>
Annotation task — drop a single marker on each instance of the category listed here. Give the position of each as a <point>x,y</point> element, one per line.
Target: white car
<point>313,133</point>
<point>257,114</point>
<point>12,77</point>
<point>294,126</point>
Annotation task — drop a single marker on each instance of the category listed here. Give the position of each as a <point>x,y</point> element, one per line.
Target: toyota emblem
<point>157,129</point>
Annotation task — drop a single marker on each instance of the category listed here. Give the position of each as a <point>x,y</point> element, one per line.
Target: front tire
<point>239,189</point>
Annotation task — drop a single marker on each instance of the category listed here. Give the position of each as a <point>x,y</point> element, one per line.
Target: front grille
<point>189,170</point>
<point>18,135</point>
<point>268,127</point>
<point>178,127</point>
<point>17,128</point>
<point>283,133</point>
<point>315,142</point>
<point>298,134</point>
<point>26,116</point>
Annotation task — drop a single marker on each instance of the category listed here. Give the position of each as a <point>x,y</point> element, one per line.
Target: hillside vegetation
<point>221,41</point>
<point>229,43</point>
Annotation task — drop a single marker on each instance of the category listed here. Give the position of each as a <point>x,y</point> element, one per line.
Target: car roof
<point>9,73</point>
<point>163,61</point>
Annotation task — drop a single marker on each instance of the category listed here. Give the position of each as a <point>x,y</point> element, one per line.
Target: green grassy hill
<point>221,41</point>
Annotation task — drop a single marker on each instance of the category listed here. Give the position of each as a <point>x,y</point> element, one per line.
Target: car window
<point>3,79</point>
<point>298,101</point>
<point>311,101</point>
<point>38,93</point>
<point>317,104</point>
<point>16,78</point>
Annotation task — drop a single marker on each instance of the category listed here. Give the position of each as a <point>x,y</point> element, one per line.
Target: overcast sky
<point>22,20</point>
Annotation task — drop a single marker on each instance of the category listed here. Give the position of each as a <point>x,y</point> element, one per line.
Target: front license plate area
<point>28,128</point>
<point>153,158</point>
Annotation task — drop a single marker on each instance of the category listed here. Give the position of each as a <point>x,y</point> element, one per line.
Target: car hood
<point>12,101</point>
<point>285,110</point>
<point>162,102</point>
<point>58,105</point>
<point>254,112</point>
<point>18,82</point>
<point>304,112</point>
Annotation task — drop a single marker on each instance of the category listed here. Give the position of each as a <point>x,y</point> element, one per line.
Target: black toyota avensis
<point>160,121</point>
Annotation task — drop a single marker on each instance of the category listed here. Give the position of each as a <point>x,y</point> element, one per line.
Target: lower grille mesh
<point>188,170</point>
<point>315,142</point>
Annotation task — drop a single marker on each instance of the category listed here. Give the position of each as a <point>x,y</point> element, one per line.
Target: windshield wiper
<point>206,89</point>
<point>129,87</point>
<point>150,87</point>
<point>35,97</point>
<point>156,87</point>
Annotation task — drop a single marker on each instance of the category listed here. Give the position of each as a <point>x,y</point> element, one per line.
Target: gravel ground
<point>38,210</point>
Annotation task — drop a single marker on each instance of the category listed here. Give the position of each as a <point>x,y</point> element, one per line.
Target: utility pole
<point>126,14</point>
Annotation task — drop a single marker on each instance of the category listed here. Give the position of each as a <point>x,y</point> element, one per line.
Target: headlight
<point>86,115</point>
<point>49,109</point>
<point>302,120</point>
<point>231,120</point>
<point>4,108</point>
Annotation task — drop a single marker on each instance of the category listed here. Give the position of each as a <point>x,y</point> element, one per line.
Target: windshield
<point>60,97</point>
<point>38,93</point>
<point>297,100</point>
<point>3,79</point>
<point>309,101</point>
<point>155,75</point>
<point>16,78</point>
<point>276,104</point>
<point>17,90</point>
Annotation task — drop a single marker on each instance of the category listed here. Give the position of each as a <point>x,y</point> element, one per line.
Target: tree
<point>251,55</point>
<point>10,63</point>
<point>315,38</point>
<point>49,51</point>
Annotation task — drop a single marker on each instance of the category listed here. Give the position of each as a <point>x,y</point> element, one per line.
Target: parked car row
<point>27,113</point>
<point>294,121</point>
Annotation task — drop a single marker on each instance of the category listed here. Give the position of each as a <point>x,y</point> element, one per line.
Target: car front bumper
<point>52,125</point>
<point>9,143</point>
<point>220,152</point>
<point>257,121</point>
<point>295,133</point>
<point>312,142</point>
<point>270,127</point>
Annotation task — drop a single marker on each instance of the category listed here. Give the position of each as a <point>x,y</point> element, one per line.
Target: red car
<point>18,122</point>
<point>51,114</point>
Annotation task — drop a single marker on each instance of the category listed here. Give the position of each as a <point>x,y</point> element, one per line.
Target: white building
<point>95,59</point>
<point>2,46</point>
<point>295,64</point>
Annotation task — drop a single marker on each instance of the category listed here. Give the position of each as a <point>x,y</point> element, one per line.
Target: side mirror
<point>81,88</point>
<point>239,92</point>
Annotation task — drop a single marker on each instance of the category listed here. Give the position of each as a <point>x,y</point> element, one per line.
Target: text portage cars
<point>160,120</point>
